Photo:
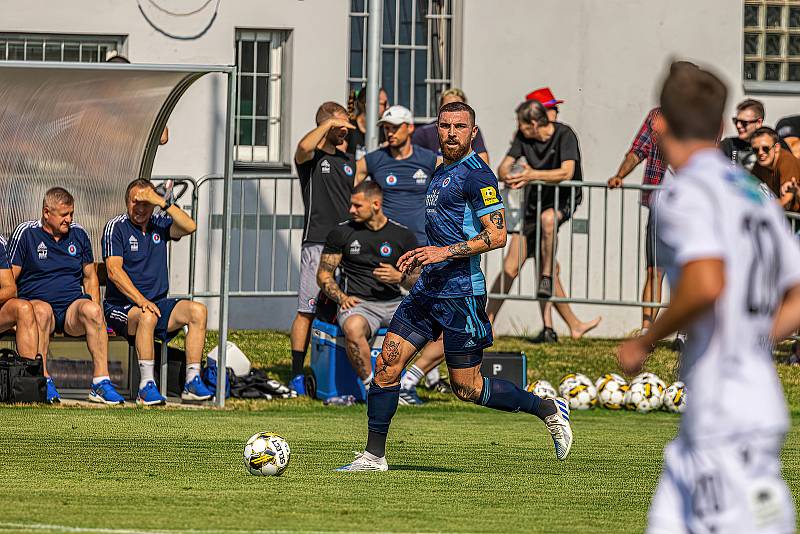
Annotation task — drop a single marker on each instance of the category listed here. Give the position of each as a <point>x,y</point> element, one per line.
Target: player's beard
<point>454,152</point>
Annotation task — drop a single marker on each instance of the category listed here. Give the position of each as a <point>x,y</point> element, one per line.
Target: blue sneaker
<point>298,384</point>
<point>196,390</point>
<point>104,393</point>
<point>150,396</point>
<point>52,393</point>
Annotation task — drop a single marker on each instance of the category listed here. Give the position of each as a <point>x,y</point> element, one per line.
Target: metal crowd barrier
<point>601,248</point>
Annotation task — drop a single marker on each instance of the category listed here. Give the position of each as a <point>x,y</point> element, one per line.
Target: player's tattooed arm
<point>492,236</point>
<point>325,279</point>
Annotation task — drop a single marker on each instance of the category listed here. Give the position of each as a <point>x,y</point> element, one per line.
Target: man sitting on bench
<point>366,248</point>
<point>52,262</point>
<point>17,312</point>
<point>136,305</point>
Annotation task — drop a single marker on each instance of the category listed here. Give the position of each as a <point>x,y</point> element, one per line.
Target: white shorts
<point>308,289</point>
<point>735,487</point>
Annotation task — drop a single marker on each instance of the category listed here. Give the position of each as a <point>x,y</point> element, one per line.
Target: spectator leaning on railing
<point>645,147</point>
<point>552,154</point>
<point>327,177</point>
<point>366,249</point>
<point>776,167</point>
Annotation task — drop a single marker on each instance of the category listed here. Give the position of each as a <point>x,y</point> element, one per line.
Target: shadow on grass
<point>425,468</point>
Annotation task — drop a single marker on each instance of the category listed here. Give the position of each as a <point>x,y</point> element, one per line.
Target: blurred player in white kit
<point>734,270</point>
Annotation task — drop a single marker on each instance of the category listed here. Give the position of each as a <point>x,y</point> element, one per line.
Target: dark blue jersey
<point>458,195</point>
<point>52,270</point>
<point>144,256</point>
<point>4,264</point>
<point>404,183</point>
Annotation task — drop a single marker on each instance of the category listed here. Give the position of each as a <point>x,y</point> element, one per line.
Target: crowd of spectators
<point>541,172</point>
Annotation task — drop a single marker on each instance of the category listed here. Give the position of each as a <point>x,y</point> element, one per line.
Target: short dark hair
<point>369,188</point>
<point>139,183</point>
<point>454,107</point>
<point>57,195</point>
<point>533,111</point>
<point>756,105</point>
<point>328,110</point>
<point>766,130</point>
<point>692,102</point>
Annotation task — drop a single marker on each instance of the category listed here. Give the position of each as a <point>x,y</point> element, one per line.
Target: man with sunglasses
<point>776,167</point>
<point>749,118</point>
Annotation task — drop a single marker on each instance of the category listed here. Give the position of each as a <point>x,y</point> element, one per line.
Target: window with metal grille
<point>259,103</point>
<point>58,47</point>
<point>416,51</point>
<point>771,41</point>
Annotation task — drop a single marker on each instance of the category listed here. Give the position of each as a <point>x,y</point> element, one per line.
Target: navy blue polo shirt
<point>404,183</point>
<point>144,256</point>
<point>4,264</point>
<point>52,270</point>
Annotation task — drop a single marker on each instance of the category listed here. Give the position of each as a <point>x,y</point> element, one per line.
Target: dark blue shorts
<point>462,321</point>
<point>60,313</point>
<point>117,319</point>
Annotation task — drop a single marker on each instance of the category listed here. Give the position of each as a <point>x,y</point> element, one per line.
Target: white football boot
<point>362,463</point>
<point>560,429</point>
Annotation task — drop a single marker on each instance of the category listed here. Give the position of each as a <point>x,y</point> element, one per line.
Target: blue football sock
<point>503,395</point>
<point>381,407</point>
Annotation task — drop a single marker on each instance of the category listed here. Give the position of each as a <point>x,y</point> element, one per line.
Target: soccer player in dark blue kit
<point>464,218</point>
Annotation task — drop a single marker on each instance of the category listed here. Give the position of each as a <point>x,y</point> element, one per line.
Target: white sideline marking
<point>41,527</point>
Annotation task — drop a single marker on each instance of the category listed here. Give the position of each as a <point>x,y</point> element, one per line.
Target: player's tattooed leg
<point>354,355</point>
<point>388,357</point>
<point>464,392</point>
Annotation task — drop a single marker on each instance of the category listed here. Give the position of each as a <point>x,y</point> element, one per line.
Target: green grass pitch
<point>455,467</point>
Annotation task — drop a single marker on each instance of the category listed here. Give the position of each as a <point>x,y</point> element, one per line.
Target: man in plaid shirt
<point>645,147</point>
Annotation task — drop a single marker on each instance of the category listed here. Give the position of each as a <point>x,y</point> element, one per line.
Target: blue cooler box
<point>331,367</point>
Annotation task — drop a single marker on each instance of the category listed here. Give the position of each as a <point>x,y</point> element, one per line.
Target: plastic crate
<point>332,371</point>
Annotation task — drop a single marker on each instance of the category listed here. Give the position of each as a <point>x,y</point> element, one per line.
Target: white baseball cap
<point>397,115</point>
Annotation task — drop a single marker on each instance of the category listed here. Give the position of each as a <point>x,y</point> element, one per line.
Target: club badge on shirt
<point>72,249</point>
<point>348,170</point>
<point>489,195</point>
<point>156,238</point>
<point>391,179</point>
<point>385,250</point>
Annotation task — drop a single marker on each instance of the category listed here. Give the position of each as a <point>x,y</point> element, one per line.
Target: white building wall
<point>605,59</point>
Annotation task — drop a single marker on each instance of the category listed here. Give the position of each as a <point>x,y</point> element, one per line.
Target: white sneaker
<point>362,463</point>
<point>560,429</point>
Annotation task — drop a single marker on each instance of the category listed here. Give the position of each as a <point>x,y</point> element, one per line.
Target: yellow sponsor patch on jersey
<point>489,195</point>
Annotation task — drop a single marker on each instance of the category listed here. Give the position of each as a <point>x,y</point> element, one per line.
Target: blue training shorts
<point>462,321</point>
<point>117,318</point>
<point>60,313</point>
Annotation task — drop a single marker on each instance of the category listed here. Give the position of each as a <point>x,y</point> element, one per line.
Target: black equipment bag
<point>21,379</point>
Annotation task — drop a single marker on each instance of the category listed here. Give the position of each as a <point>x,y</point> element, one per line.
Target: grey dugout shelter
<point>92,128</point>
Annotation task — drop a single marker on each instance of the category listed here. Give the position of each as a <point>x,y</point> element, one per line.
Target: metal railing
<point>600,248</point>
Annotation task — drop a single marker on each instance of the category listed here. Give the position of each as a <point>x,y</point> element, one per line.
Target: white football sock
<point>412,377</point>
<point>192,370</point>
<point>96,380</point>
<point>433,376</point>
<point>146,372</point>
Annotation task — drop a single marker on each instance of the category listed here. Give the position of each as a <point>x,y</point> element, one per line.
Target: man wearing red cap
<point>548,100</point>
